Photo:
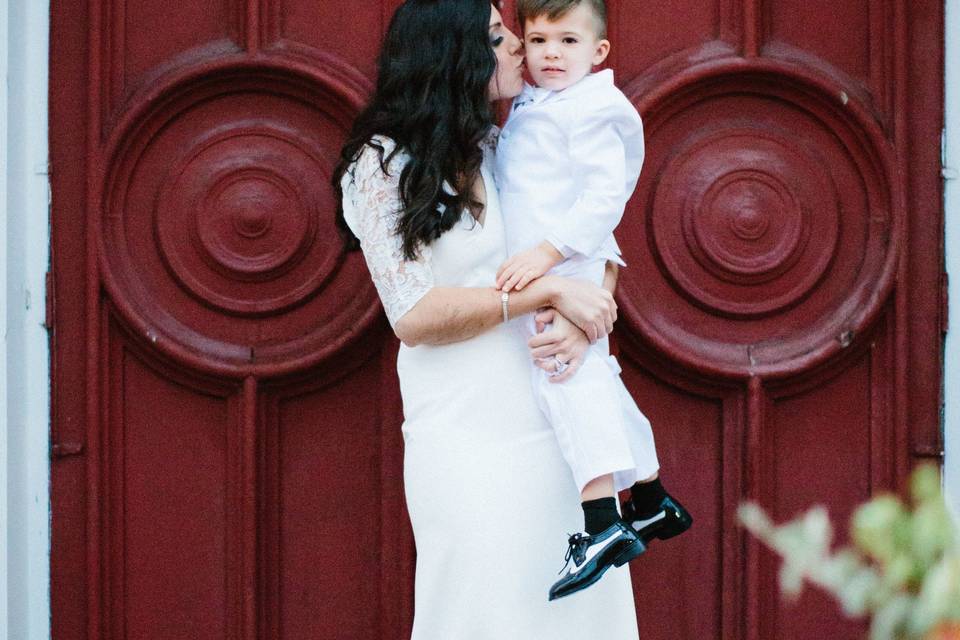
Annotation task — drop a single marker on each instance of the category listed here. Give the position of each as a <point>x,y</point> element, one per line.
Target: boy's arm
<point>598,156</point>
<point>527,265</point>
<point>610,276</point>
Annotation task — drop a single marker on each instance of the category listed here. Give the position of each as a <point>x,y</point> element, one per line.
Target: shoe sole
<point>634,550</point>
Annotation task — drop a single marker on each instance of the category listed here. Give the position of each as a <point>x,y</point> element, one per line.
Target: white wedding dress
<point>490,497</point>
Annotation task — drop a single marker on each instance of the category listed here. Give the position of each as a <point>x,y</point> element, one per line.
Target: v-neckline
<point>486,197</point>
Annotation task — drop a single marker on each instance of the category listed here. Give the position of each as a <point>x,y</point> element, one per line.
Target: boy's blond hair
<point>556,9</point>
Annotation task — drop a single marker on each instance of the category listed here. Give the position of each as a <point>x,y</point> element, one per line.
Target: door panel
<point>327,451</point>
<point>169,470</point>
<point>843,41</point>
<point>689,433</point>
<point>228,459</point>
<point>320,27</point>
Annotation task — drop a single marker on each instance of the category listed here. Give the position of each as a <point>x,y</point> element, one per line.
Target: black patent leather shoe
<point>593,555</point>
<point>669,520</point>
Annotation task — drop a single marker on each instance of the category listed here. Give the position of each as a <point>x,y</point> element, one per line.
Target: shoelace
<point>576,550</point>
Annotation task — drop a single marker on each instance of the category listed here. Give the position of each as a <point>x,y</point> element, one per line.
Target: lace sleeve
<point>371,204</point>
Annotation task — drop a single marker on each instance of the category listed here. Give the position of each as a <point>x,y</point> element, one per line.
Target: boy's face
<point>561,52</point>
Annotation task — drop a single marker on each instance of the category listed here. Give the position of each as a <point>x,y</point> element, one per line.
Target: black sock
<point>647,496</point>
<point>599,514</point>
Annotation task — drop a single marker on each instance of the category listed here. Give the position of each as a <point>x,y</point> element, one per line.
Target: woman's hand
<point>586,305</point>
<point>563,342</point>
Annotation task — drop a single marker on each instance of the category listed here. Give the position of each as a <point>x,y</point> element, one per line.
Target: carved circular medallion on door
<point>218,236</point>
<point>732,233</point>
<point>237,219</point>
<point>763,232</point>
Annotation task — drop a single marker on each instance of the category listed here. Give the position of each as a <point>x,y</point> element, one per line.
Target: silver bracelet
<point>505,305</point>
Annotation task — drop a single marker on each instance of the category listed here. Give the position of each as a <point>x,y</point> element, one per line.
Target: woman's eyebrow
<point>496,25</point>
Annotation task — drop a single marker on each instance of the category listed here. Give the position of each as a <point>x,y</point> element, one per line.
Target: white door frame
<point>951,163</point>
<point>24,352</point>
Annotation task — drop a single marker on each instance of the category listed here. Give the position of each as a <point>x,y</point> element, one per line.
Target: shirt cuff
<point>564,250</point>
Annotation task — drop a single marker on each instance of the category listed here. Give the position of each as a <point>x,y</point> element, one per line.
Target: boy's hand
<point>527,265</point>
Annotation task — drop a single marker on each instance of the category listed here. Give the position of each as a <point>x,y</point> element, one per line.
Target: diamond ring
<point>560,366</point>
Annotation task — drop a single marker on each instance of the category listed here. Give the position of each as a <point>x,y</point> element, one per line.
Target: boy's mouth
<point>552,70</point>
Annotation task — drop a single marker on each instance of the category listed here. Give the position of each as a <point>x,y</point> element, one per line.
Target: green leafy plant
<point>902,570</point>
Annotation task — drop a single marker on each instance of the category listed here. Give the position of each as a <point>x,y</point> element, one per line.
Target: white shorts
<point>598,426</point>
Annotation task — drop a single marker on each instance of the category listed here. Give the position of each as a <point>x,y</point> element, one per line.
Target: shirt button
<point>504,134</point>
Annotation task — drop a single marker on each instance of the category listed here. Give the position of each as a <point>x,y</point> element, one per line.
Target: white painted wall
<point>952,214</point>
<point>24,354</point>
<point>4,426</point>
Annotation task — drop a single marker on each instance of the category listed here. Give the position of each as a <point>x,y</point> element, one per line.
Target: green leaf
<point>939,596</point>
<point>925,483</point>
<point>931,531</point>
<point>889,620</point>
<point>856,593</point>
<point>876,524</point>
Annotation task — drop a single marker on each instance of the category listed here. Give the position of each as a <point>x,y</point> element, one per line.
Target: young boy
<point>568,160</point>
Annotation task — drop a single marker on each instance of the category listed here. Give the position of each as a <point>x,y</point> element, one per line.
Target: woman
<point>486,485</point>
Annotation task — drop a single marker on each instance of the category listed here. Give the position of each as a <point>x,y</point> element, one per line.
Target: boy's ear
<point>603,49</point>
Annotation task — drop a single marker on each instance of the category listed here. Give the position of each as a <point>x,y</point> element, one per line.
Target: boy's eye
<point>535,40</point>
<point>569,41</point>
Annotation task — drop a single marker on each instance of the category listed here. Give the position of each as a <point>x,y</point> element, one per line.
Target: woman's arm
<point>447,314</point>
<point>611,274</point>
<point>421,313</point>
<point>452,314</point>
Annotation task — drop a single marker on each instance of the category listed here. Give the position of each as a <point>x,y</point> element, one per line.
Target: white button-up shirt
<point>567,162</point>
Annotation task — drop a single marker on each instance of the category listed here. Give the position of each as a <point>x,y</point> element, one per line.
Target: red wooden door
<point>226,415</point>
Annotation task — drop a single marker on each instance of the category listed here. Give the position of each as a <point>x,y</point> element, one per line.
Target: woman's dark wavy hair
<point>431,98</point>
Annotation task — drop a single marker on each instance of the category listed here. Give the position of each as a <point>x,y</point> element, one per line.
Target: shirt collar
<point>530,95</point>
<point>589,83</point>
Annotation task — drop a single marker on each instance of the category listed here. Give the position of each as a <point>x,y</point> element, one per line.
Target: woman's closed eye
<point>497,41</point>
